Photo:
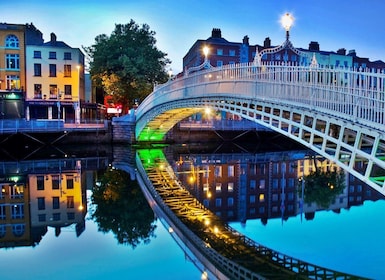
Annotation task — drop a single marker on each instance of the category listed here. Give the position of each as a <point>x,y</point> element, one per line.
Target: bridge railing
<point>355,94</point>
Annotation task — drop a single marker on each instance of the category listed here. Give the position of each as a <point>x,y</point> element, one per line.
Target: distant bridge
<point>339,113</point>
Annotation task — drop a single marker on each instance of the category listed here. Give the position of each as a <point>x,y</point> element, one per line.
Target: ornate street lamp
<point>206,63</point>
<point>287,21</point>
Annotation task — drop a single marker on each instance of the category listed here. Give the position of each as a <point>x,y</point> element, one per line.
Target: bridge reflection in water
<point>223,252</point>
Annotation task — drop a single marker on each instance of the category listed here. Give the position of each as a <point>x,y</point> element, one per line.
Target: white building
<point>55,81</point>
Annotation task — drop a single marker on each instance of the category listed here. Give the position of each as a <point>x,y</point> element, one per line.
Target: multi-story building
<point>56,85</point>
<point>223,52</point>
<point>13,39</point>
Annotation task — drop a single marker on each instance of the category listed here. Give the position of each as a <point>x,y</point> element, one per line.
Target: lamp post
<point>287,21</point>
<point>206,63</point>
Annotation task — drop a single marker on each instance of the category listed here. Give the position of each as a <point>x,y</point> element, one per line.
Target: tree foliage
<point>127,63</point>
<point>122,209</point>
<point>322,187</point>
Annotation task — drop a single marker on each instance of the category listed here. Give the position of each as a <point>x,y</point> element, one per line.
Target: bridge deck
<point>260,261</point>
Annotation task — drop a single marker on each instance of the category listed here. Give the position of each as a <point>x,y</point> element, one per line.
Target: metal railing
<point>353,94</point>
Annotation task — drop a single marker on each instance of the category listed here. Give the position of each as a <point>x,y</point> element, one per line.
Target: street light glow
<point>287,21</point>
<point>205,51</point>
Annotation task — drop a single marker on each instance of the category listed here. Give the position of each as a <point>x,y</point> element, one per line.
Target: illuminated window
<point>205,187</point>
<point>13,82</point>
<point>11,41</point>
<point>230,186</point>
<point>218,187</point>
<point>261,197</point>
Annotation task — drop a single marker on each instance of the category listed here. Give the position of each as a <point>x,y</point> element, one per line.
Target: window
<point>262,169</point>
<point>262,183</point>
<point>12,42</point>
<point>56,216</point>
<point>261,210</point>
<point>13,82</point>
<point>71,216</point>
<point>253,169</point>
<point>252,199</point>
<point>52,70</point>
<point>275,183</point>
<point>230,201</point>
<point>205,187</point>
<point>218,187</point>
<point>231,52</point>
<point>67,56</point>
<point>37,94</point>
<point>70,202</point>
<point>55,202</point>
<point>17,211</point>
<point>41,217</point>
<point>17,191</point>
<point>41,203</point>
<point>219,51</point>
<point>261,197</point>
<point>53,93</point>
<point>3,230</point>
<point>70,183</point>
<point>218,202</point>
<point>230,171</point>
<point>2,212</point>
<point>67,91</point>
<point>218,171</point>
<point>67,70</point>
<point>219,63</point>
<point>275,168</point>
<point>37,70</point>
<point>12,61</point>
<point>55,182</point>
<point>52,55</point>
<point>230,186</point>
<point>36,54</point>
<point>252,184</point>
<point>18,229</point>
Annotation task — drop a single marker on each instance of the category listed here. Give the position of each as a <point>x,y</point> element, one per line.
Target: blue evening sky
<point>353,24</point>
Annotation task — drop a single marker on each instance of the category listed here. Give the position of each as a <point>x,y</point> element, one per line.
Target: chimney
<point>267,43</point>
<point>246,40</point>
<point>313,46</point>
<point>53,37</point>
<point>216,33</point>
<point>341,51</point>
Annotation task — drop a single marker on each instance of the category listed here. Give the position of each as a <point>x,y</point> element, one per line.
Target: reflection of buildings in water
<point>14,212</point>
<point>45,193</point>
<point>263,186</point>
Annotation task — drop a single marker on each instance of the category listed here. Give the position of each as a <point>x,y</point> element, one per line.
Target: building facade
<point>56,84</point>
<point>223,52</point>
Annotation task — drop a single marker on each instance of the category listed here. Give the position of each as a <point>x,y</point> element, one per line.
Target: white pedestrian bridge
<point>339,113</point>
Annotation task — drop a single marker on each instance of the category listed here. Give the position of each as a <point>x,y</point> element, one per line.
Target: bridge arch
<point>338,113</point>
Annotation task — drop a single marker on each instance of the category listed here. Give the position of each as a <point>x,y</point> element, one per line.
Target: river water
<point>115,234</point>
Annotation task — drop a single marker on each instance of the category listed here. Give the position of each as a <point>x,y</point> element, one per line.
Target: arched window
<point>11,41</point>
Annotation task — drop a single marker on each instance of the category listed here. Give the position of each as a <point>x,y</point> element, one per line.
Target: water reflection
<point>121,208</point>
<point>238,186</point>
<point>49,192</point>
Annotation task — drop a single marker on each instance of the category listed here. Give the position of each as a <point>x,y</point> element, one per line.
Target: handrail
<point>354,94</point>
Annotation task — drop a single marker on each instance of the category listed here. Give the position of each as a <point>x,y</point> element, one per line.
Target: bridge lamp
<point>287,21</point>
<point>206,52</point>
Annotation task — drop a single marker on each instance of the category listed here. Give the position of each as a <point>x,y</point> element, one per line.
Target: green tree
<point>127,63</point>
<point>120,207</point>
<point>322,187</point>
